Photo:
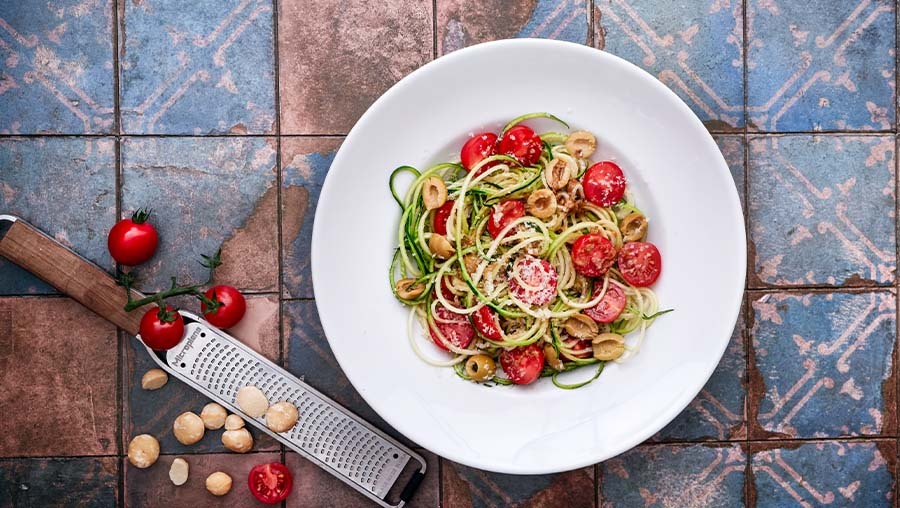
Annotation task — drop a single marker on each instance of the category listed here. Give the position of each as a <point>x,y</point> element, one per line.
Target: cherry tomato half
<point>478,148</point>
<point>580,348</point>
<point>593,254</point>
<point>640,263</point>
<point>161,330</point>
<point>523,365</point>
<point>502,214</point>
<point>132,241</point>
<point>440,218</point>
<point>456,329</point>
<point>230,312</point>
<point>610,306</point>
<point>604,183</point>
<point>487,324</point>
<point>522,143</point>
<point>270,483</point>
<point>539,280</point>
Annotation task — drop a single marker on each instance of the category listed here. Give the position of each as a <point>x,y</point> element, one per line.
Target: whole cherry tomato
<point>522,143</point>
<point>133,241</point>
<point>231,306</point>
<point>476,149</point>
<point>161,329</point>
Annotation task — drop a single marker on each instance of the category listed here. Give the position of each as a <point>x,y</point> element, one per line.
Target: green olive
<point>634,227</point>
<point>480,368</point>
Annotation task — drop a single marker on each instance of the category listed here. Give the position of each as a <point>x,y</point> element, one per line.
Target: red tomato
<point>457,330</point>
<point>604,183</point>
<point>640,263</point>
<point>593,254</point>
<point>504,213</point>
<point>522,143</point>
<point>486,322</point>
<point>523,365</point>
<point>610,306</point>
<point>230,312</point>
<point>478,148</point>
<point>161,332</point>
<point>445,290</point>
<point>540,277</point>
<point>132,241</point>
<point>270,483</point>
<point>580,348</point>
<point>440,218</point>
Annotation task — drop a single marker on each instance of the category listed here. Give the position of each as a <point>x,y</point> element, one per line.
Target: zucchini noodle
<point>486,260</point>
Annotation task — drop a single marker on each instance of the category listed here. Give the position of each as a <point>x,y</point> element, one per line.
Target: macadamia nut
<point>154,379</point>
<point>239,440</point>
<point>143,450</point>
<point>234,422</point>
<point>218,483</point>
<point>178,471</point>
<point>188,428</point>
<point>213,416</point>
<point>281,416</point>
<point>252,401</point>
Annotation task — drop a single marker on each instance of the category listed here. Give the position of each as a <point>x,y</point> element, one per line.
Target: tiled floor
<point>224,116</point>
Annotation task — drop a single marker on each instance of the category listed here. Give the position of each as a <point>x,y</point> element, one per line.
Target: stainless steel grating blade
<point>340,442</point>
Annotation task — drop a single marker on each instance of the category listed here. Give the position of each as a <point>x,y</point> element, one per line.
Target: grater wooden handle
<point>68,272</point>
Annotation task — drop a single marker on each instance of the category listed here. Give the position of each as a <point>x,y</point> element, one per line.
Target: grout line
<point>590,37</point>
<point>119,177</point>
<point>820,289</point>
<point>125,136</point>
<point>779,441</point>
<point>714,132</point>
<point>597,494</point>
<point>440,473</point>
<point>745,310</point>
<point>434,35</point>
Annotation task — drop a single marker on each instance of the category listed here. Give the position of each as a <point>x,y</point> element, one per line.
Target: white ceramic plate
<point>679,179</point>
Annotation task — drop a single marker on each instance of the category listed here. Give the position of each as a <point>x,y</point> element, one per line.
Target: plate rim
<point>678,404</point>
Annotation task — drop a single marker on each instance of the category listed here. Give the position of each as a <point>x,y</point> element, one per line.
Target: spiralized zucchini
<point>485,270</point>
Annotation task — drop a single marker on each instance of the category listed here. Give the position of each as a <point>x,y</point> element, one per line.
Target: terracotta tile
<point>58,371</point>
<point>465,487</point>
<point>305,164</point>
<point>49,483</point>
<point>336,57</point>
<point>462,23</point>
<point>206,193</point>
<point>63,186</point>
<point>152,412</point>
<point>152,487</point>
<point>316,488</point>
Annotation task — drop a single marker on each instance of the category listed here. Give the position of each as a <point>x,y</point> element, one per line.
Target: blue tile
<point>830,67</point>
<point>206,194</point>
<point>197,68</point>
<point>825,364</point>
<point>674,476</point>
<point>718,411</point>
<point>57,75</point>
<point>462,23</point>
<point>822,210</point>
<point>732,147</point>
<point>693,46</point>
<point>565,20</point>
<point>309,357</point>
<point>58,482</point>
<point>63,186</point>
<point>306,162</point>
<point>825,474</point>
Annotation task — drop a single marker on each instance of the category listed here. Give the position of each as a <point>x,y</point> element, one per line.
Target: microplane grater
<point>217,365</point>
<point>360,455</point>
